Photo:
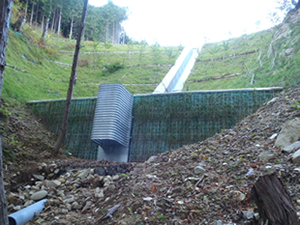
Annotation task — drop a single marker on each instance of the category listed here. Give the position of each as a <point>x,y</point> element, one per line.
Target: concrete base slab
<point>113,151</point>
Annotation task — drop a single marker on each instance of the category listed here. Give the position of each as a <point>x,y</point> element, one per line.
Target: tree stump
<point>273,202</point>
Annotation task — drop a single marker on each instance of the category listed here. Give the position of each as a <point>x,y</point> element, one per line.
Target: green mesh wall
<point>160,123</point>
<point>78,137</point>
<point>168,121</point>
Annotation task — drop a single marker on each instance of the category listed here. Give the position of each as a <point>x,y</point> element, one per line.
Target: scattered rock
<point>52,183</point>
<point>199,170</point>
<point>266,156</point>
<point>289,133</point>
<point>296,157</point>
<point>248,215</point>
<point>147,199</point>
<point>151,159</point>
<point>84,174</point>
<point>291,147</point>
<point>38,177</point>
<point>273,136</point>
<point>87,206</point>
<point>39,195</point>
<point>167,191</point>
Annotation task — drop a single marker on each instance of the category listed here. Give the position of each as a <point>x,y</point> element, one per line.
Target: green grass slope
<point>39,70</point>
<point>263,59</point>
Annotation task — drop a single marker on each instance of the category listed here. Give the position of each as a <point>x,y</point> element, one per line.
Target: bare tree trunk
<point>273,202</point>
<point>53,21</point>
<point>36,15</point>
<point>31,15</point>
<point>106,35</point>
<point>118,34</point>
<point>26,7</point>
<point>64,125</point>
<point>45,28</point>
<point>5,9</point>
<point>43,20</point>
<point>56,20</point>
<point>59,22</point>
<point>71,27</point>
<point>113,34</point>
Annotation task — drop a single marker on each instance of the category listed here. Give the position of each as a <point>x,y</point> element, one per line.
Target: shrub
<point>113,67</point>
<point>84,62</point>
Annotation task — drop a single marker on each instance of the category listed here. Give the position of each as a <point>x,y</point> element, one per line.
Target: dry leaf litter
<point>204,183</point>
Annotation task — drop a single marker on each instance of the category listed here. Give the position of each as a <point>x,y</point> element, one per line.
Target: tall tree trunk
<point>5,10</point>
<point>71,27</point>
<point>36,14</point>
<point>53,21</point>
<point>43,20</point>
<point>31,15</point>
<point>45,28</point>
<point>26,7</point>
<point>118,34</point>
<point>106,35</point>
<point>56,20</point>
<point>59,22</point>
<point>64,125</point>
<point>113,34</point>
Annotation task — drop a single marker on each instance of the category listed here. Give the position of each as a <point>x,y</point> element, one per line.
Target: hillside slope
<point>263,59</point>
<point>41,70</point>
<point>171,188</point>
<point>163,191</point>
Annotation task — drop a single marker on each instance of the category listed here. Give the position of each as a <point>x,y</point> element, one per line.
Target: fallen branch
<point>110,213</point>
<point>16,68</point>
<point>104,53</point>
<point>228,56</point>
<point>200,179</point>
<point>214,78</point>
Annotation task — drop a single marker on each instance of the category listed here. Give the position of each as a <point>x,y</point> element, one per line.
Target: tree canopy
<point>102,23</point>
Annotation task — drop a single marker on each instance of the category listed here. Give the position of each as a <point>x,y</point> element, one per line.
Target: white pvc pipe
<point>26,214</point>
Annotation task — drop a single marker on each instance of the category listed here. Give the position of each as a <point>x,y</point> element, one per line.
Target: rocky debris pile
<point>102,167</point>
<point>204,183</point>
<point>75,190</point>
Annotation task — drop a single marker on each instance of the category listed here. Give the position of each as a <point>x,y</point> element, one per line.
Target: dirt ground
<point>167,189</point>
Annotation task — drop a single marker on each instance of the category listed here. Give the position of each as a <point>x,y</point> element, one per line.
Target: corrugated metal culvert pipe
<point>112,122</point>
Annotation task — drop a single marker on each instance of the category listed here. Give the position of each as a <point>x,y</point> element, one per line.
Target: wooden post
<point>273,202</point>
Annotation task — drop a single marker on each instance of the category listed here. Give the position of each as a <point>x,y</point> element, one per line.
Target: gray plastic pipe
<point>26,214</point>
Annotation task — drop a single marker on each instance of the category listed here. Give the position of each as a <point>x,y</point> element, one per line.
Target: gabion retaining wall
<point>161,122</point>
<point>80,124</point>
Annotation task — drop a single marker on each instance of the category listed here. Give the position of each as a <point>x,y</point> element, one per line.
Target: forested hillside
<point>42,65</point>
<point>63,18</point>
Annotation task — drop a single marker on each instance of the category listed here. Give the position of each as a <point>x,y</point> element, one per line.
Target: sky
<point>190,22</point>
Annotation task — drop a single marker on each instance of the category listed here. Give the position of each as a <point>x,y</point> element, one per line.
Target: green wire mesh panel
<point>163,122</point>
<point>78,136</point>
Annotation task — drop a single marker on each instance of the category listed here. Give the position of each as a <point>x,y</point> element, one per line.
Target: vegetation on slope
<point>42,70</point>
<point>263,59</point>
